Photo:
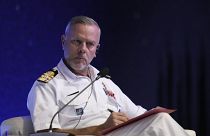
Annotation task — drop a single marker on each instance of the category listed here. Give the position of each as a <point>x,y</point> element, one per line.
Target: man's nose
<point>83,47</point>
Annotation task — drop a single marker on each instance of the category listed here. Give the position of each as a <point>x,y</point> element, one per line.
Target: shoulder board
<point>47,76</point>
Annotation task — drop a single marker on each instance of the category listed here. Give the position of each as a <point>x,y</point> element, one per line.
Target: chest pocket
<point>112,103</point>
<point>76,107</point>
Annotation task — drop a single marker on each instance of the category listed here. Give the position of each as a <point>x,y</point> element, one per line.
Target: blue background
<point>157,51</point>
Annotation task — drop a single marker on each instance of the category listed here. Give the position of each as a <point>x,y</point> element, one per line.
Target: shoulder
<point>48,75</point>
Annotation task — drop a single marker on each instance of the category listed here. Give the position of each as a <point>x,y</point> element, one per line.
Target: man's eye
<point>78,42</point>
<point>90,44</point>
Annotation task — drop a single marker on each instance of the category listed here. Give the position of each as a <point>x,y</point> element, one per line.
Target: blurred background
<point>158,51</point>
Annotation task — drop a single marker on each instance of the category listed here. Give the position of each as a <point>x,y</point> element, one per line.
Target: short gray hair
<point>81,20</point>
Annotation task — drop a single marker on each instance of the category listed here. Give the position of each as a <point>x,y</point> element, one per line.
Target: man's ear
<point>95,55</point>
<point>97,49</point>
<point>98,46</point>
<point>63,39</point>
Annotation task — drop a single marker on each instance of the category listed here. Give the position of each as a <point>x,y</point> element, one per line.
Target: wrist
<point>100,128</point>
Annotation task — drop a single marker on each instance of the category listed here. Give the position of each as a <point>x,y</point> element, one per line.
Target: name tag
<point>79,111</point>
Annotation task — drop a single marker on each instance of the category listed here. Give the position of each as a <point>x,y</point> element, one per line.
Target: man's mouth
<point>80,58</point>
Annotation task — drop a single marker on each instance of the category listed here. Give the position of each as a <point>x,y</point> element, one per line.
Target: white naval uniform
<point>45,99</point>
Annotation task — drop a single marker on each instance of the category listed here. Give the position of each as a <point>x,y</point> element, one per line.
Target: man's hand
<point>114,119</point>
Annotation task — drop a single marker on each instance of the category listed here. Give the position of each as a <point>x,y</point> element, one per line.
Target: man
<point>101,106</point>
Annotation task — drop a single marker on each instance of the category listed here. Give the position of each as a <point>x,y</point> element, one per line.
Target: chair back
<point>19,126</point>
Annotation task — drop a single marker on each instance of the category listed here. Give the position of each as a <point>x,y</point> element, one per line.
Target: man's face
<point>80,45</point>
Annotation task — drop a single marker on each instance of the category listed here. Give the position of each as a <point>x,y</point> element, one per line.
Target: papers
<point>146,114</point>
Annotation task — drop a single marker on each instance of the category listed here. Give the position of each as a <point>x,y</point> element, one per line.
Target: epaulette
<point>47,76</point>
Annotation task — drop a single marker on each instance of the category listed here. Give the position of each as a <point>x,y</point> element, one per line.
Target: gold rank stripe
<point>47,76</point>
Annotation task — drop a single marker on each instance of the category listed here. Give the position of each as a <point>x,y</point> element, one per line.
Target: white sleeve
<point>42,106</point>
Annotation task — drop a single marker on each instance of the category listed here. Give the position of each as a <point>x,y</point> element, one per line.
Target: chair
<point>22,126</point>
<point>17,126</point>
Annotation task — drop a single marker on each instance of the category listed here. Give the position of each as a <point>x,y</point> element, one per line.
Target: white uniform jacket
<point>91,107</point>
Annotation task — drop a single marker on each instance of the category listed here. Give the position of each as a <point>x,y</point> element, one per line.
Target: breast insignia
<point>47,76</point>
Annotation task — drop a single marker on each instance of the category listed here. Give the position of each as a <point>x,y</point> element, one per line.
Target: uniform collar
<point>70,76</point>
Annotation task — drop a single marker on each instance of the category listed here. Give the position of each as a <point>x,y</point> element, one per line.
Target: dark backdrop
<point>157,51</point>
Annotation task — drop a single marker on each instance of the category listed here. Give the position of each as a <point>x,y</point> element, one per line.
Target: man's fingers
<point>119,116</point>
<point>114,119</point>
<point>117,122</point>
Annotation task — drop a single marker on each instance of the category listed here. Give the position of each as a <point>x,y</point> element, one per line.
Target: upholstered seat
<point>19,126</point>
